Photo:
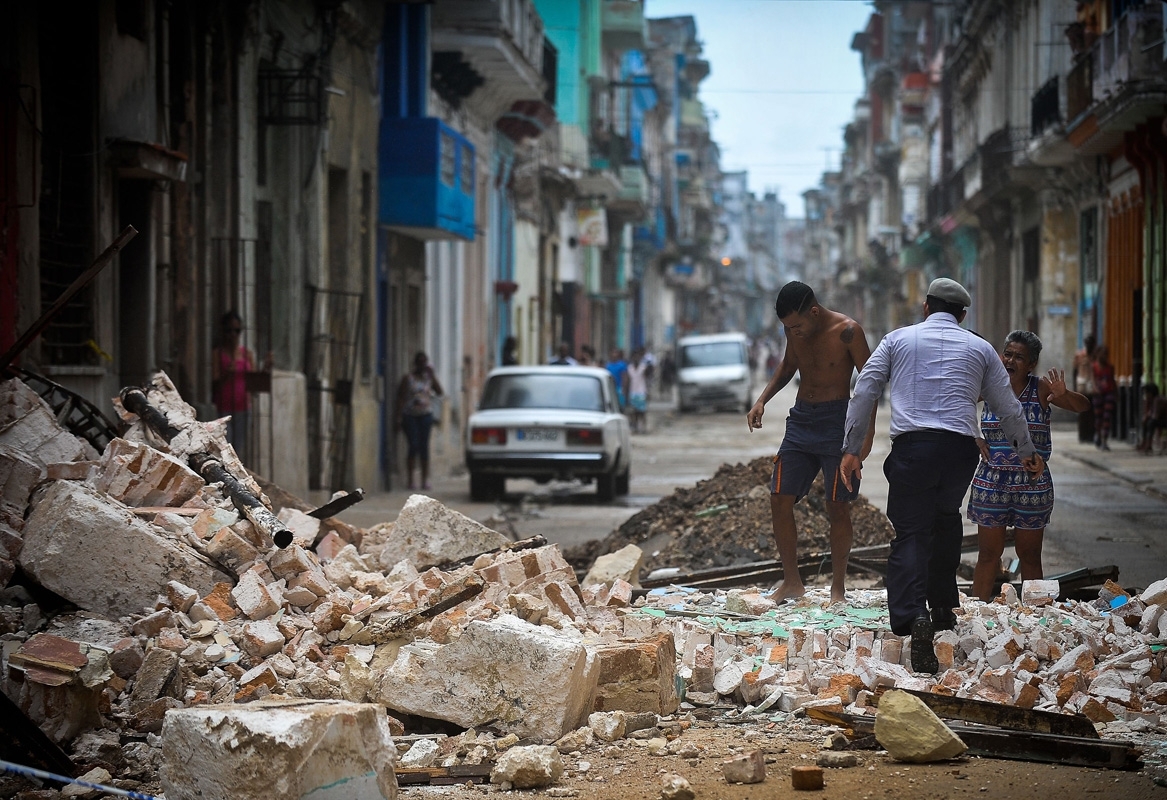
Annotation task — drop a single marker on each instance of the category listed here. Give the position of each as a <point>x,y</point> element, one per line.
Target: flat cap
<point>949,291</point>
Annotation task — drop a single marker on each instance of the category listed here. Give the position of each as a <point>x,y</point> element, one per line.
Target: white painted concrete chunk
<point>529,767</point>
<point>910,731</point>
<point>322,750</point>
<point>624,564</point>
<point>1155,594</point>
<point>103,558</point>
<point>427,533</point>
<point>529,680</point>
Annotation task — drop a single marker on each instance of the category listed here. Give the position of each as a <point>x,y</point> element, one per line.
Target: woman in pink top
<point>229,367</point>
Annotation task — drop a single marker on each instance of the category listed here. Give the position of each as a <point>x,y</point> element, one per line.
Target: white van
<point>714,370</point>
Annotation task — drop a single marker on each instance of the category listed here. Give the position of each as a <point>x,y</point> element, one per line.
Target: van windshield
<point>711,354</point>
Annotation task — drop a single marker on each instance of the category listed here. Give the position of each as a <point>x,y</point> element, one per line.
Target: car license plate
<point>537,435</point>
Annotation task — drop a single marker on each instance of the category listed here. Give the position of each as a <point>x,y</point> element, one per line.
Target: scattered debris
<point>725,521</point>
<point>178,626</point>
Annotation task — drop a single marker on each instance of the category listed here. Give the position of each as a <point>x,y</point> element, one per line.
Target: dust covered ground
<point>725,521</point>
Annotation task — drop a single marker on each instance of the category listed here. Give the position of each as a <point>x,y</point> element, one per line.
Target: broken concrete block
<point>181,596</point>
<point>751,603</point>
<point>532,681</point>
<point>102,557</point>
<point>290,561</point>
<point>279,748</point>
<point>806,778</point>
<point>1036,591</point>
<point>910,731</point>
<point>153,624</point>
<point>98,775</point>
<point>531,767</point>
<point>675,787</point>
<point>577,740</point>
<point>423,753</point>
<point>638,676</point>
<point>28,426</point>
<point>346,564</point>
<point>608,726</point>
<point>745,768</point>
<point>1155,594</point>
<point>19,475</point>
<point>253,598</point>
<point>231,550</point>
<point>138,475</point>
<point>833,760</point>
<point>624,564</point>
<point>157,676</point>
<point>261,639</point>
<point>427,533</point>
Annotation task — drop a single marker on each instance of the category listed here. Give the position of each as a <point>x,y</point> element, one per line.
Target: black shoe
<point>923,652</point>
<point>943,619</point>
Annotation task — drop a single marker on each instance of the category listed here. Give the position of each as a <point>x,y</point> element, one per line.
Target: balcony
<point>1119,83</point>
<point>622,24</point>
<point>426,179</point>
<point>632,199</point>
<point>489,50</point>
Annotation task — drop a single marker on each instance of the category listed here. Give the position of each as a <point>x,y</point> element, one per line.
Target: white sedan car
<point>548,422</point>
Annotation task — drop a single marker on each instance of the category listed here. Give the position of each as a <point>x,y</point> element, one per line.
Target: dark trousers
<point>417,434</point>
<point>928,473</point>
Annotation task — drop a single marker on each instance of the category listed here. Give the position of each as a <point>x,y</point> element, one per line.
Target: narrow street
<point>1109,505</point>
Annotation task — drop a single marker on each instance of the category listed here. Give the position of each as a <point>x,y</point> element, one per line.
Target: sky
<point>782,85</point>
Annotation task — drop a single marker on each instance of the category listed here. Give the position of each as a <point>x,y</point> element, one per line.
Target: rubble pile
<point>725,521</point>
<point>185,652</point>
<point>1104,659</point>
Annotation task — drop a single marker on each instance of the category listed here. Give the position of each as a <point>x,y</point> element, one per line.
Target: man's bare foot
<point>784,591</point>
<point>838,595</point>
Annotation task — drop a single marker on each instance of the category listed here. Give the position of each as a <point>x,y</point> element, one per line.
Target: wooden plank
<point>1010,717</point>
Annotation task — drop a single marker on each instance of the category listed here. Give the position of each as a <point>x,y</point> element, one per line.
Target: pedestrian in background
<point>636,378</point>
<point>587,355</point>
<point>1154,420</point>
<point>415,416</point>
<point>1084,384</point>
<point>937,371</point>
<point>617,367</point>
<point>510,349</point>
<point>1003,494</point>
<point>230,364</point>
<point>563,356</point>
<point>1105,396</point>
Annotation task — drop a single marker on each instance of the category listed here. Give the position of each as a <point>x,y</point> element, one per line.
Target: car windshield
<point>711,354</point>
<point>582,392</point>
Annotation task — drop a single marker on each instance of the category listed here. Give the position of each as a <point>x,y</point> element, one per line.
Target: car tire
<point>606,486</point>
<point>623,481</point>
<point>484,488</point>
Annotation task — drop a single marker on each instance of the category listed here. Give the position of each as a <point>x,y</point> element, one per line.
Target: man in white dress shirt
<point>937,371</point>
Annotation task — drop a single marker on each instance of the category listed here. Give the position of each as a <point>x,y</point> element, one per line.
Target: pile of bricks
<point>190,618</point>
<point>1104,659</point>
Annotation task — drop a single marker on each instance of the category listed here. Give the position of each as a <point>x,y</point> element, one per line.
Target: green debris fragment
<point>712,511</point>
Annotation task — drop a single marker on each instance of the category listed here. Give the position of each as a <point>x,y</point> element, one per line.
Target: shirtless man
<point>823,346</point>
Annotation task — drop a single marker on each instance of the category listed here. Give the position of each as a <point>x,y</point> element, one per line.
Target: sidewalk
<point>1147,472</point>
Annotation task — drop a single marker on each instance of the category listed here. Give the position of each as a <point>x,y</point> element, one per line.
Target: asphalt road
<point>1099,518</point>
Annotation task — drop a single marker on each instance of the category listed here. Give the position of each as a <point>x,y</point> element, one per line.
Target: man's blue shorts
<point>813,444</point>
